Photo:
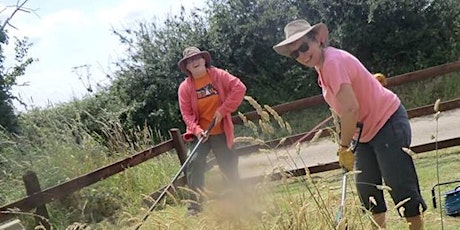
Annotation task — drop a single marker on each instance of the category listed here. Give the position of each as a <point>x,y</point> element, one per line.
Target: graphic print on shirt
<point>206,91</point>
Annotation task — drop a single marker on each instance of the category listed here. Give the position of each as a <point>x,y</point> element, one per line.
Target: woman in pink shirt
<point>356,96</point>
<point>208,93</point>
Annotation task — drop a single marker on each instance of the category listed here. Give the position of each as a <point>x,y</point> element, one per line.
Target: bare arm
<point>348,113</point>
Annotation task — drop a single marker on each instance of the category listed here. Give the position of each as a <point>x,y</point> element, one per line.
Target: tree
<point>8,77</point>
<point>395,37</point>
<point>392,37</point>
<point>242,33</point>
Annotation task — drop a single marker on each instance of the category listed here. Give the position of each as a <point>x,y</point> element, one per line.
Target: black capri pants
<point>383,158</point>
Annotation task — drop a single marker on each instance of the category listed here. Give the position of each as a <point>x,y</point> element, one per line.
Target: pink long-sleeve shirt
<point>231,92</point>
<point>376,103</point>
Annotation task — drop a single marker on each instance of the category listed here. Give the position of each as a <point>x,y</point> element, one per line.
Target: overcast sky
<point>70,33</point>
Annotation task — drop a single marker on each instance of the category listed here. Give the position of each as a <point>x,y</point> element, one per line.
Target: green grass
<point>49,149</point>
<point>301,203</point>
<point>425,92</point>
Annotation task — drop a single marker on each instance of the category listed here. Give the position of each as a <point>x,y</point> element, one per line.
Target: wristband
<point>345,146</point>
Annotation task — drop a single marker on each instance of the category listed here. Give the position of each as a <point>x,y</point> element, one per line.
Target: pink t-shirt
<point>376,103</point>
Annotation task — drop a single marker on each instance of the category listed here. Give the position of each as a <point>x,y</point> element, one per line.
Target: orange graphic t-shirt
<point>208,103</point>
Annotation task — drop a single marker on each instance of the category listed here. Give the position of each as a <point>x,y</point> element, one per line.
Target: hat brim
<point>182,62</point>
<point>282,47</point>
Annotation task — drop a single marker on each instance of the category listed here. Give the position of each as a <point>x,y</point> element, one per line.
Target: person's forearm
<point>347,127</point>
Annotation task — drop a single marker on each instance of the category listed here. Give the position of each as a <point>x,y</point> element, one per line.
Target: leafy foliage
<point>9,75</point>
<point>243,33</point>
<point>392,37</point>
<point>8,79</point>
<point>395,37</point>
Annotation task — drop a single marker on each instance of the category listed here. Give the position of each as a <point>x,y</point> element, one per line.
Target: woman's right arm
<point>186,109</point>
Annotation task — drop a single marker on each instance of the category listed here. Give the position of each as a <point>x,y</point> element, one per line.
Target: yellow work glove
<point>346,158</point>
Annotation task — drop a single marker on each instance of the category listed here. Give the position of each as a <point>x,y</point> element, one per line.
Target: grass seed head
<point>437,115</point>
<point>265,116</point>
<point>436,105</point>
<point>243,139</point>
<point>383,187</point>
<point>275,116</point>
<point>401,203</point>
<point>282,141</point>
<point>316,136</point>
<point>372,200</point>
<point>258,141</point>
<point>408,151</point>
<point>288,127</point>
<point>254,104</point>
<point>243,118</point>
<point>353,172</point>
<point>297,147</point>
<point>401,211</point>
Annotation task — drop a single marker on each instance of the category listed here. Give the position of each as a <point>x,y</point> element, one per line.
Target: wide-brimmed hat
<point>295,30</point>
<point>192,52</point>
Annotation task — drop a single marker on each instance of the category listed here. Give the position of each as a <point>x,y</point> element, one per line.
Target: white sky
<point>71,33</point>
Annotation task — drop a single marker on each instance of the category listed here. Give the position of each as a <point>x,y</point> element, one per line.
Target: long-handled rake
<point>181,169</point>
<point>341,210</point>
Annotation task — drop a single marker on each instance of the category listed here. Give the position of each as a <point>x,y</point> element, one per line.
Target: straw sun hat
<point>295,30</point>
<point>190,52</point>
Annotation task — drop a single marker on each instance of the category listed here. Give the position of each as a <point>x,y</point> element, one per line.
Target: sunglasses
<point>303,48</point>
<point>194,58</point>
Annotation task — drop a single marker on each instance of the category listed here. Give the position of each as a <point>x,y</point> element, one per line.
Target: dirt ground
<point>324,151</point>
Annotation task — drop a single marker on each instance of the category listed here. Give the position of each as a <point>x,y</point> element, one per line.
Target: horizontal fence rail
<point>64,189</point>
<point>335,165</point>
<point>416,112</point>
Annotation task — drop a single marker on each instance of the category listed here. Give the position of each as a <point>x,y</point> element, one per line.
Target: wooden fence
<point>37,198</point>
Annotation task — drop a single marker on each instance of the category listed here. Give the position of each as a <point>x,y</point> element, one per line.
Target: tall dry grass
<point>58,149</point>
<point>309,202</point>
<point>292,203</point>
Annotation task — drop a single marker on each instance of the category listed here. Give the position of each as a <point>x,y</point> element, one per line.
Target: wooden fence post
<point>178,144</point>
<point>33,186</point>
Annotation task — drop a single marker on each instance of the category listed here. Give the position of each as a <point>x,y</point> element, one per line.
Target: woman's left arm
<point>235,91</point>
